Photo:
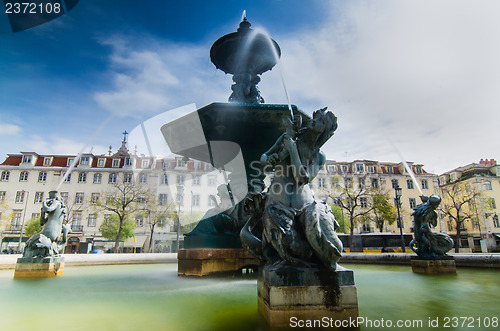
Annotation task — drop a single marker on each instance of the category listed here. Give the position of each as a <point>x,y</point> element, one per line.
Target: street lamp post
<point>399,192</point>
<point>24,218</point>
<point>180,192</point>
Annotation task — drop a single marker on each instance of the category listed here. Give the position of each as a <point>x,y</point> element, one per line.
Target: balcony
<point>76,228</point>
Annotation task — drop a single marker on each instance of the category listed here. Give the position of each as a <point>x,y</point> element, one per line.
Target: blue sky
<point>419,77</point>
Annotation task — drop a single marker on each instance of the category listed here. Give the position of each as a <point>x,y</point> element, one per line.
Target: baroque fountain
<point>289,233</point>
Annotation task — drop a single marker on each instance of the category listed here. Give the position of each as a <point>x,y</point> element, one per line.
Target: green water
<point>152,297</point>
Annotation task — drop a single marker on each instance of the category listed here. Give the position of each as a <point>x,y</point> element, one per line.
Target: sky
<point>418,80</point>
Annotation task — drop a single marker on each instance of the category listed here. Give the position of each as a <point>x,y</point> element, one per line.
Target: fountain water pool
<point>152,297</point>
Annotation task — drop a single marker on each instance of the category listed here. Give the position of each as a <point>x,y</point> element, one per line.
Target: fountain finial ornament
<point>245,54</point>
<point>427,243</point>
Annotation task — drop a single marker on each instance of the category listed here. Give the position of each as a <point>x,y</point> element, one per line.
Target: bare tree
<point>123,200</point>
<point>354,199</point>
<point>460,204</point>
<point>156,215</point>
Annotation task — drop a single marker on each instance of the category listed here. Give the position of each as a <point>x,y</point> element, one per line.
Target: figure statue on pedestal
<point>427,243</point>
<point>287,226</point>
<point>52,239</point>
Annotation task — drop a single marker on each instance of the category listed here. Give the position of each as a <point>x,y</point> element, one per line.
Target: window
<point>65,196</point>
<point>348,182</point>
<point>69,162</point>
<point>211,202</point>
<point>139,221</point>
<point>27,158</point>
<point>162,199</point>
<point>413,202</point>
<point>181,179</point>
<point>97,178</point>
<point>493,203</point>
<point>94,197</point>
<point>390,170</point>
<point>418,170</point>
<point>361,182</point>
<point>425,184</point>
<point>195,200</point>
<point>5,176</point>
<point>127,178</point>
<point>145,164</point>
<point>84,160</point>
<point>166,165</point>
<point>453,177</point>
<point>344,168</point>
<point>374,183</point>
<point>68,178</point>
<point>42,176</point>
<point>360,167</point>
<point>366,228</point>
<point>2,195</point>
<point>143,178</point>
<point>16,219</point>
<point>38,197</point>
<point>164,179</point>
<point>82,177</point>
<point>112,178</point>
<point>212,180</point>
<point>321,182</point>
<point>363,202</point>
<point>47,161</point>
<point>23,176</point>
<point>128,161</point>
<point>35,216</point>
<point>92,220</point>
<point>442,180</point>
<point>395,183</point>
<point>331,169</point>
<point>101,162</point>
<point>181,163</point>
<point>196,180</point>
<point>409,184</point>
<point>79,197</point>
<point>142,198</point>
<point>487,185</point>
<point>496,222</point>
<point>76,225</point>
<point>371,169</point>
<point>116,163</point>
<point>19,196</point>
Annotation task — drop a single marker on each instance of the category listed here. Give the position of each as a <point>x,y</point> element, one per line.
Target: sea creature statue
<point>49,241</point>
<point>426,242</point>
<point>287,225</point>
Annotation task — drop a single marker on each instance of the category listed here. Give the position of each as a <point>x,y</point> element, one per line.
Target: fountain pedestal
<point>37,267</point>
<point>432,265</point>
<point>306,294</point>
<point>214,261</point>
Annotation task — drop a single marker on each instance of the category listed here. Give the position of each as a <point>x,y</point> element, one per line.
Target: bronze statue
<point>49,241</point>
<point>287,225</point>
<point>427,243</point>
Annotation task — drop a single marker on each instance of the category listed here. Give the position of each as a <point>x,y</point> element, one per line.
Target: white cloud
<point>59,146</point>
<point>9,129</point>
<point>425,74</point>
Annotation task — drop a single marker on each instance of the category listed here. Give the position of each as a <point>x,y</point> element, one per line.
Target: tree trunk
<point>151,238</point>
<point>458,241</point>
<point>351,243</point>
<point>117,241</point>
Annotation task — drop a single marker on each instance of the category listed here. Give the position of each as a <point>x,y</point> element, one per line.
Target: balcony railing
<point>76,228</point>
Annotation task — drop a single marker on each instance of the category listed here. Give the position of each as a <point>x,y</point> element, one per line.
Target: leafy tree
<point>110,228</point>
<point>156,216</point>
<point>354,199</point>
<point>5,215</point>
<point>124,200</point>
<point>339,216</point>
<point>32,227</point>
<point>383,210</point>
<point>461,202</point>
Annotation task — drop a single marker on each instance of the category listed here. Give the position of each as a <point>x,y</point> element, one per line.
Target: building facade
<point>474,190</point>
<point>26,179</point>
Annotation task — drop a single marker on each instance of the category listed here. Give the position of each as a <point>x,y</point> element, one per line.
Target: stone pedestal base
<point>214,261</point>
<point>290,294</point>
<point>28,267</point>
<point>443,265</point>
